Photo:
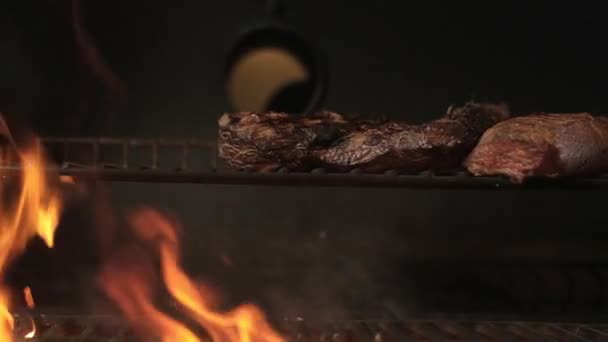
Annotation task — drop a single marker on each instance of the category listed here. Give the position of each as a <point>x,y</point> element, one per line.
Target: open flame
<point>29,301</point>
<point>29,298</point>
<point>30,209</point>
<point>128,286</point>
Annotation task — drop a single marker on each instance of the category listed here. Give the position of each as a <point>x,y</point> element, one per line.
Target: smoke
<point>92,57</point>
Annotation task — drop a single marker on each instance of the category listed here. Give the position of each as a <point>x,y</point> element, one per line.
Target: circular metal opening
<point>274,69</point>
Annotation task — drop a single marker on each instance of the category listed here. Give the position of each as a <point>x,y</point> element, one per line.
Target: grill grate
<point>60,328</point>
<point>196,161</point>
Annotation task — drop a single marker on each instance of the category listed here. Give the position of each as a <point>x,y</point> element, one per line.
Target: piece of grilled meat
<point>269,141</point>
<point>545,145</point>
<point>440,145</point>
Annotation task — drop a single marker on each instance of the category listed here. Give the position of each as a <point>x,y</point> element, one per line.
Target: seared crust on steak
<point>268,141</point>
<point>439,145</point>
<point>547,145</point>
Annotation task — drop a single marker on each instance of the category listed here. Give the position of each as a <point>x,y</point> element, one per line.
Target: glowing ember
<point>34,211</point>
<point>32,333</point>
<point>29,298</point>
<point>127,283</point>
<point>29,301</point>
<point>67,179</point>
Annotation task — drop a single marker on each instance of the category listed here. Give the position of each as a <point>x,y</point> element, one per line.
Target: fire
<point>127,284</point>
<point>30,207</point>
<point>67,179</point>
<point>33,211</point>
<point>29,301</point>
<point>29,298</point>
<point>7,321</point>
<point>32,332</point>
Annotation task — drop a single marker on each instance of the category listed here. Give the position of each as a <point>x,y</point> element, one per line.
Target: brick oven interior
<point>327,253</point>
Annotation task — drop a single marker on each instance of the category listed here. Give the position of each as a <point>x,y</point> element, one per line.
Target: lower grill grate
<point>59,328</point>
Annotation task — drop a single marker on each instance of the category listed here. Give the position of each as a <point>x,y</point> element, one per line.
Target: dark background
<point>342,250</point>
<point>407,61</point>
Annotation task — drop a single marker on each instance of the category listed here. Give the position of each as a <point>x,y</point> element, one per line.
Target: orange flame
<point>29,301</point>
<point>67,179</point>
<point>130,290</point>
<point>33,212</point>
<point>29,298</point>
<point>7,322</point>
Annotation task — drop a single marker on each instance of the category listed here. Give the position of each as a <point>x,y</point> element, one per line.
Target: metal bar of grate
<point>195,161</point>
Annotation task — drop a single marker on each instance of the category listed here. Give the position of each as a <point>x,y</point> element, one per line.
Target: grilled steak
<point>268,141</point>
<point>547,145</point>
<point>439,145</point>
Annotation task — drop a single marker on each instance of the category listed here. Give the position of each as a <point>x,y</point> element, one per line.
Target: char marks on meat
<point>440,145</point>
<point>545,145</point>
<point>269,141</point>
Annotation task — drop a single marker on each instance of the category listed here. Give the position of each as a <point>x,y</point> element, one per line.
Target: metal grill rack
<point>60,328</point>
<point>195,161</point>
